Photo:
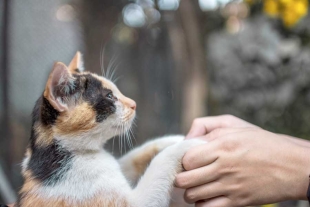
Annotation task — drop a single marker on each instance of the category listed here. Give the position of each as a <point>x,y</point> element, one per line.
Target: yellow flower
<point>271,7</point>
<point>270,205</point>
<point>285,2</point>
<point>249,1</point>
<point>301,8</point>
<point>290,18</point>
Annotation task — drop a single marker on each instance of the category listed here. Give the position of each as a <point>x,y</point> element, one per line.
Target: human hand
<point>243,165</point>
<point>204,125</point>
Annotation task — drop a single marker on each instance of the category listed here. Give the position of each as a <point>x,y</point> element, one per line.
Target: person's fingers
<point>200,156</point>
<point>197,177</point>
<point>220,201</point>
<point>204,192</point>
<point>202,126</point>
<point>205,154</point>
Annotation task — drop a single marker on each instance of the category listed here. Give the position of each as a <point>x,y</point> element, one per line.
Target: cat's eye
<point>110,96</point>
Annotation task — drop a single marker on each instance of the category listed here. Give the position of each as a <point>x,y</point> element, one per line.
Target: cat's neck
<point>76,143</point>
<point>82,143</point>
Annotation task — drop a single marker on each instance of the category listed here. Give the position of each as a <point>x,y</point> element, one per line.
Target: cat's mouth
<point>125,121</point>
<point>123,125</point>
<point>116,126</point>
<point>129,117</point>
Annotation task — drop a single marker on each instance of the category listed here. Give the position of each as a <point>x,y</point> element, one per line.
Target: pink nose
<point>133,105</point>
<point>130,103</point>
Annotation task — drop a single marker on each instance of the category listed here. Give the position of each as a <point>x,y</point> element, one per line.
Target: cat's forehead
<point>106,83</point>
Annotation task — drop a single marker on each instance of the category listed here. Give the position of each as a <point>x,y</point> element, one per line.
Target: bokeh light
<point>133,15</point>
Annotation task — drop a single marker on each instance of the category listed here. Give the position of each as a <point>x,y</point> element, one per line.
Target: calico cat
<point>65,163</point>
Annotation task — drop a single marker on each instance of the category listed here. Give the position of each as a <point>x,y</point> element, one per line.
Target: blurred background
<point>179,59</point>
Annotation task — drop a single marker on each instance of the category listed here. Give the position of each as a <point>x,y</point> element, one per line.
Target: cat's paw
<point>177,151</point>
<point>167,141</point>
<point>186,145</point>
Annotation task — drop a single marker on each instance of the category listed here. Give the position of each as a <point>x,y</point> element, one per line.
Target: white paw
<point>164,142</point>
<point>181,148</point>
<point>177,151</point>
<point>190,143</point>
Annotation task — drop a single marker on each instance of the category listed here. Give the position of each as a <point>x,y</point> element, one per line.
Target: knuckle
<point>242,199</point>
<point>181,181</point>
<point>189,196</point>
<point>229,145</point>
<point>217,132</point>
<point>229,119</point>
<point>197,121</point>
<point>188,160</point>
<point>241,202</point>
<point>228,116</point>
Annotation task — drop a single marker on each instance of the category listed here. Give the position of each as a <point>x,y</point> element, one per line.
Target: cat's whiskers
<point>111,66</point>
<point>120,141</point>
<point>120,136</point>
<point>117,79</point>
<point>114,70</point>
<point>123,136</point>
<point>102,59</point>
<point>115,133</point>
<point>132,137</point>
<point>127,138</point>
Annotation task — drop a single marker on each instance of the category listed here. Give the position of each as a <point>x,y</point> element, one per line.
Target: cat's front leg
<point>154,187</point>
<point>134,163</point>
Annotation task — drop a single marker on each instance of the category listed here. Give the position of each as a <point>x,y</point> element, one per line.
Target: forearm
<point>302,157</point>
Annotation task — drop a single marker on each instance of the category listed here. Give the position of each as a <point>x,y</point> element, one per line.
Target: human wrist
<point>299,141</point>
<point>301,180</point>
<point>303,170</point>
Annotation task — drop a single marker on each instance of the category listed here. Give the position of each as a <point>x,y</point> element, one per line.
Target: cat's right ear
<point>76,64</point>
<point>59,85</point>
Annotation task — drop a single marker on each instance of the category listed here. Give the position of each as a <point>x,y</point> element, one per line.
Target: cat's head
<point>82,108</point>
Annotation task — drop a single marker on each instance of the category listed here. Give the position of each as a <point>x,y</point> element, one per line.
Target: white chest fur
<point>89,175</point>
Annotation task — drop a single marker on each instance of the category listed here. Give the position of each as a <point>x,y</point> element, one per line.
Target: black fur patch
<point>95,94</point>
<point>43,112</point>
<point>50,163</point>
<point>103,109</point>
<point>48,113</point>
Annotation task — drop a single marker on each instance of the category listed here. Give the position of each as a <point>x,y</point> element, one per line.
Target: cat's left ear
<point>76,64</point>
<point>59,87</point>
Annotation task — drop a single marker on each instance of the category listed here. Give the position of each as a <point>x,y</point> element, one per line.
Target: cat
<point>65,163</point>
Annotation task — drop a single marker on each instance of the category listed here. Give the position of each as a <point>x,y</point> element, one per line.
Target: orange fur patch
<point>28,152</point>
<point>80,119</point>
<point>30,183</point>
<point>142,160</point>
<point>44,135</point>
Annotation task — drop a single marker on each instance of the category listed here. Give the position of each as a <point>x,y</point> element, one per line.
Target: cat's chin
<point>120,127</point>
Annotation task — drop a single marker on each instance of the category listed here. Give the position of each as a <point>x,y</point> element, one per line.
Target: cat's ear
<point>59,86</point>
<point>76,64</point>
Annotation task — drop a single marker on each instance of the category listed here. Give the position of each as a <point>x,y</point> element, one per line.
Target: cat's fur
<point>65,164</point>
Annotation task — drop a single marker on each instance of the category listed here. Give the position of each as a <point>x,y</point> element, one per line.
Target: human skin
<point>243,165</point>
